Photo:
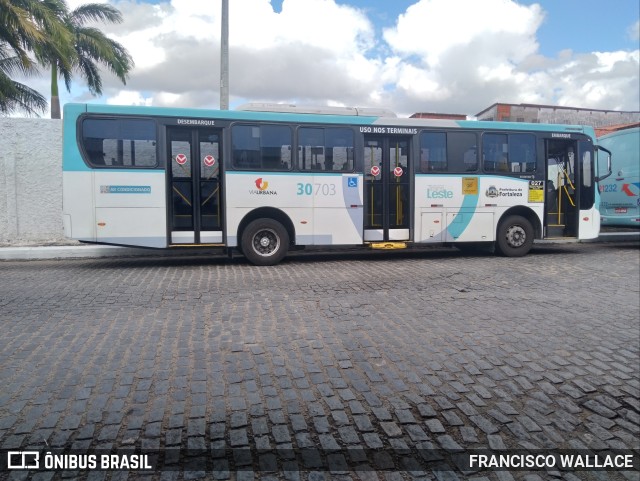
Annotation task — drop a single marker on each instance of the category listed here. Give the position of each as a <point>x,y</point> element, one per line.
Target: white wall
<point>30,181</point>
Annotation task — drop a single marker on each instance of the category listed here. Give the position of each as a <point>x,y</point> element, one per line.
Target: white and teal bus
<point>264,182</point>
<point>621,192</point>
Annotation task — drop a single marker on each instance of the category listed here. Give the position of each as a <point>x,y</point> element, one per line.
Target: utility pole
<point>224,57</point>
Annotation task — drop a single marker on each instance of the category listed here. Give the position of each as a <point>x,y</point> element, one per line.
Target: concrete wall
<point>30,181</point>
<point>557,115</point>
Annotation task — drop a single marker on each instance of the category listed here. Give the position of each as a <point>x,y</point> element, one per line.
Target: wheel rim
<point>516,236</point>
<point>265,242</point>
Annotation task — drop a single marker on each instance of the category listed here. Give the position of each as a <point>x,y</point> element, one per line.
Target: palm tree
<point>15,95</point>
<point>27,25</point>
<point>92,47</point>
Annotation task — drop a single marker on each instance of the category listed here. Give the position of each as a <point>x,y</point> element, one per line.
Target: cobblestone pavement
<point>354,366</point>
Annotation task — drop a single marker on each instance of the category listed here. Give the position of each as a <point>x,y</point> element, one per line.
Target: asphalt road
<point>328,366</point>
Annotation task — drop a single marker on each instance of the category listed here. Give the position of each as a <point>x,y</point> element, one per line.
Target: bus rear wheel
<point>515,236</point>
<point>265,242</point>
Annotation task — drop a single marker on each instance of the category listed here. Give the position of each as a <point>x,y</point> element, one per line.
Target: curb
<point>88,251</point>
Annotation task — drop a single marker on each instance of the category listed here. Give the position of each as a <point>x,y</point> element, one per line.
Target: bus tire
<point>515,236</point>
<point>265,242</point>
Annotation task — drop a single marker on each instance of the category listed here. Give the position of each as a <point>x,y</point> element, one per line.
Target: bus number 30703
<point>316,189</point>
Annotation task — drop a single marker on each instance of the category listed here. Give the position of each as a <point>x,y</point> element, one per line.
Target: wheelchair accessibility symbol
<point>352,182</point>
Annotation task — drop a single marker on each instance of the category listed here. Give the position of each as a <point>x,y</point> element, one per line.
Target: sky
<point>447,56</point>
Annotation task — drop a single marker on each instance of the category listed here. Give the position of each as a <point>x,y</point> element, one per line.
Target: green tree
<point>15,95</point>
<point>91,48</point>
<point>27,26</point>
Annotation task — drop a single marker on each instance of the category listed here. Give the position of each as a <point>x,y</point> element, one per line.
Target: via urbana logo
<point>262,188</point>
<point>262,184</point>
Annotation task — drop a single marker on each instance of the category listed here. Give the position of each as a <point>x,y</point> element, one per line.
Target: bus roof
<point>312,115</point>
<point>318,110</point>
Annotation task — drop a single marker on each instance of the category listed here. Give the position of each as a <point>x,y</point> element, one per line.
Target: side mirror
<point>607,173</point>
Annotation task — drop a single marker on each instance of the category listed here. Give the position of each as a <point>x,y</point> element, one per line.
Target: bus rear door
<point>195,197</point>
<point>386,189</point>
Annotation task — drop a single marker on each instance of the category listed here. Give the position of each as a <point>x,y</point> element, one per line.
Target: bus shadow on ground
<point>323,255</point>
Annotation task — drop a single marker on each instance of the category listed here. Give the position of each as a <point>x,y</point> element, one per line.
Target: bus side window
<point>433,152</point>
<point>325,149</point>
<point>495,152</point>
<point>522,152</point>
<point>246,146</point>
<point>587,187</point>
<point>94,150</point>
<point>275,143</point>
<point>265,147</point>
<point>462,152</point>
<point>514,153</point>
<point>127,143</point>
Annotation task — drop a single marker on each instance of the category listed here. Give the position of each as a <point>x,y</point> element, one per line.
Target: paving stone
<point>363,423</point>
<point>372,440</point>
<point>435,426</point>
<point>426,411</point>
<point>529,424</point>
<point>468,434</point>
<point>449,444</point>
<point>467,409</point>
<point>281,434</point>
<point>484,424</point>
<point>322,424</point>
<point>298,422</point>
<point>348,435</point>
<point>328,442</point>
<point>598,408</point>
<point>284,355</point>
<point>238,437</point>
<point>391,429</point>
<point>498,416</point>
<point>340,418</point>
<point>382,414</point>
<point>496,442</point>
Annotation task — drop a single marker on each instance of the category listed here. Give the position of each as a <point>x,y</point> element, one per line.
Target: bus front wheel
<point>265,242</point>
<point>515,236</point>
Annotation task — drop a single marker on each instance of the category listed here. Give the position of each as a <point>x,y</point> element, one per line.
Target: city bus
<point>621,193</point>
<point>264,180</point>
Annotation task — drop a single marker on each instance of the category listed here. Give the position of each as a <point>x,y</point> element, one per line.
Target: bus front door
<point>561,188</point>
<point>386,189</point>
<point>194,186</point>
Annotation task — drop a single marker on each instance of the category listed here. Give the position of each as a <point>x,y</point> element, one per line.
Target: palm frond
<point>15,96</point>
<point>91,73</point>
<point>92,43</point>
<point>12,65</point>
<point>97,12</point>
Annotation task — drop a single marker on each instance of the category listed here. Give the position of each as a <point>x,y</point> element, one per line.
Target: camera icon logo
<point>23,459</point>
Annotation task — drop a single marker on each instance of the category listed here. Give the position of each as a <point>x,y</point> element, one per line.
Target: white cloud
<point>439,55</point>
<point>463,55</point>
<point>312,49</point>
<point>634,31</point>
<point>430,28</point>
<point>605,80</point>
<point>128,97</point>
